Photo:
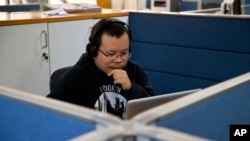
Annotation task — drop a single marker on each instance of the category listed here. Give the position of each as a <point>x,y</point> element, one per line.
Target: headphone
<point>92,48</point>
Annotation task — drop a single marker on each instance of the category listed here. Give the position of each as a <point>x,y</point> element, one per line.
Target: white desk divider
<point>129,131</point>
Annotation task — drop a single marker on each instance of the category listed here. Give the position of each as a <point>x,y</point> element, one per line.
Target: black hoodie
<point>86,85</point>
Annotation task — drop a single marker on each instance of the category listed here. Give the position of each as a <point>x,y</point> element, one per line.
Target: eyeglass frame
<point>110,56</point>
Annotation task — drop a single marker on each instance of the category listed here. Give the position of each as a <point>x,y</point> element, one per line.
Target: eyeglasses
<point>112,56</point>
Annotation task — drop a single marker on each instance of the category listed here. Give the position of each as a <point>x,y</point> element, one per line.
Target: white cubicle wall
<point>129,131</point>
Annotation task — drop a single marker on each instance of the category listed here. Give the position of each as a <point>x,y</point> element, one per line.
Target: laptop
<point>137,106</point>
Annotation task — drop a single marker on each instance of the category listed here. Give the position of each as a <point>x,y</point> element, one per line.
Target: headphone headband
<point>103,24</point>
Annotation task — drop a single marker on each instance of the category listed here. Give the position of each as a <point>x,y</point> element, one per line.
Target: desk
<point>17,18</point>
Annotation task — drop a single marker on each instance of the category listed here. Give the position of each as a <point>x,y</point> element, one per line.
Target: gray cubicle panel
<point>245,9</point>
<point>187,5</point>
<point>29,117</point>
<point>207,113</point>
<point>129,131</point>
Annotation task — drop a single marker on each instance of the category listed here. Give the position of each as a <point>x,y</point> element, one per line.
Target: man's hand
<point>121,77</point>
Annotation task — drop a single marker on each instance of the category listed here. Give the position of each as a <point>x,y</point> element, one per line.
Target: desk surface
<point>17,18</point>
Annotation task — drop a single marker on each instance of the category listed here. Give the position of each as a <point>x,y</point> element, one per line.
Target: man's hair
<point>112,27</point>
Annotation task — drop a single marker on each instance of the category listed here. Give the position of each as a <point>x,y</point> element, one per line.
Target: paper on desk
<point>56,12</point>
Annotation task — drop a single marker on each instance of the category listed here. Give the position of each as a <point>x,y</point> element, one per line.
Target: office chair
<point>56,75</point>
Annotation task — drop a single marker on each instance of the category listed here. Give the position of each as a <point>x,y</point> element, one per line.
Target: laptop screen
<point>136,106</point>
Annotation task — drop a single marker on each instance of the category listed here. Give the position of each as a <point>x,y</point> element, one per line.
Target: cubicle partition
<point>245,10</point>
<point>207,113</point>
<point>187,51</point>
<point>129,131</point>
<point>29,117</point>
<point>187,5</point>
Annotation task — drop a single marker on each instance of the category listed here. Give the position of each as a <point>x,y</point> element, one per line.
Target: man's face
<point>113,53</point>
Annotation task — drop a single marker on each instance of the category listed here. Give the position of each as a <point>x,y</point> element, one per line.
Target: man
<point>104,78</point>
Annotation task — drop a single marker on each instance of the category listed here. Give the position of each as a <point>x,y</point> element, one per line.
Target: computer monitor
<point>231,7</point>
<point>30,117</point>
<point>137,106</point>
<point>165,5</point>
<point>207,113</point>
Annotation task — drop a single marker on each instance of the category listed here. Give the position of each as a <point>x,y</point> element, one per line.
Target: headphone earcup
<point>91,50</point>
